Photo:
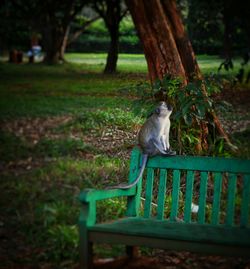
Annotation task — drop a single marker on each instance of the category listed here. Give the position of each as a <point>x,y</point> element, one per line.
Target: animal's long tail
<point>128,186</point>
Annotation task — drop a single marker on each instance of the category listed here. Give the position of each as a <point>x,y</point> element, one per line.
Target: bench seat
<point>142,227</point>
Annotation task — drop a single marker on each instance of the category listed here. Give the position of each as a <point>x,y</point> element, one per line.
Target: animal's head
<point>163,109</point>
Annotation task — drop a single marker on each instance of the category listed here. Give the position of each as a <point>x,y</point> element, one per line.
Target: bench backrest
<point>219,186</point>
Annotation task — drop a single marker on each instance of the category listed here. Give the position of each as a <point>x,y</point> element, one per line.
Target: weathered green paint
<point>245,203</point>
<point>203,197</point>
<point>89,195</point>
<point>149,191</point>
<point>133,202</point>
<point>231,199</point>
<point>229,239</point>
<point>177,230</point>
<point>188,196</point>
<point>162,194</point>
<point>215,164</point>
<point>175,195</point>
<point>216,199</point>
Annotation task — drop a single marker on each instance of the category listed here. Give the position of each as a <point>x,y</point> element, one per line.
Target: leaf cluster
<point>189,101</point>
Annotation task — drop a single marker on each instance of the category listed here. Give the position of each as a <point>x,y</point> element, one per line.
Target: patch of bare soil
<point>114,141</point>
<point>174,260</point>
<point>33,129</point>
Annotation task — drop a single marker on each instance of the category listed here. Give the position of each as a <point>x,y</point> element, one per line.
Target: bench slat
<point>149,191</point>
<point>133,204</point>
<point>202,197</point>
<point>189,196</point>
<point>245,203</point>
<point>216,199</point>
<point>162,194</point>
<point>231,199</point>
<point>175,195</point>
<point>212,164</point>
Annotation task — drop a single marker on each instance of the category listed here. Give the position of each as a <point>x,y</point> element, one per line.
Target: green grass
<point>57,90</point>
<point>40,181</point>
<point>126,62</point>
<point>42,106</point>
<point>137,62</point>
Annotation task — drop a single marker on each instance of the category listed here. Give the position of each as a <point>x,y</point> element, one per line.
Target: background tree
<point>51,19</point>
<point>112,12</point>
<point>204,25</point>
<point>81,24</point>
<point>14,31</point>
<point>56,16</point>
<point>219,27</point>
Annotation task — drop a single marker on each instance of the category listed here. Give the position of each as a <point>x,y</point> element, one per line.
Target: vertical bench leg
<point>85,247</point>
<point>132,251</point>
<point>87,257</point>
<point>87,218</point>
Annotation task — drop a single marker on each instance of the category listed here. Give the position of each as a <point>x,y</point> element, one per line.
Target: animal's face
<point>163,110</point>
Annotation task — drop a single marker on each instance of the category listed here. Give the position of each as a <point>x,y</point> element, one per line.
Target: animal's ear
<point>157,110</point>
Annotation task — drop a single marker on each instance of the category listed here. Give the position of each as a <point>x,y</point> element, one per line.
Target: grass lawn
<point>137,62</point>
<point>65,128</point>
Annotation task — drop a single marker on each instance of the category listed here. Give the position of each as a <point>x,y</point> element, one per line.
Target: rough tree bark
<point>168,50</point>
<point>157,39</point>
<point>183,43</point>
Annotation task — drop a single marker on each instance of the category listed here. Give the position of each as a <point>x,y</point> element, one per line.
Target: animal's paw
<point>170,152</point>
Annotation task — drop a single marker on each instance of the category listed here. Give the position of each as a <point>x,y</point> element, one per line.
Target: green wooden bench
<point>221,225</point>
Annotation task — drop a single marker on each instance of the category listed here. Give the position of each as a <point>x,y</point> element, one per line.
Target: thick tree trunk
<point>168,50</point>
<point>113,51</point>
<point>52,55</point>
<point>183,43</point>
<point>52,42</point>
<point>112,14</point>
<point>158,41</point>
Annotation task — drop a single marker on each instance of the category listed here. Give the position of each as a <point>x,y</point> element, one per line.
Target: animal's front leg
<point>166,144</point>
<point>158,145</point>
<point>163,141</point>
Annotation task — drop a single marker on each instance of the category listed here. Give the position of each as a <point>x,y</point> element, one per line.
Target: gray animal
<point>153,139</point>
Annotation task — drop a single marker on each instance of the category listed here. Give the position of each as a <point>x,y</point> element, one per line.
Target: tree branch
<point>76,34</point>
<point>98,9</point>
<point>124,14</point>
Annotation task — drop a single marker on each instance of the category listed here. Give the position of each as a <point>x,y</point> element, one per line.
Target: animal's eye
<point>157,110</point>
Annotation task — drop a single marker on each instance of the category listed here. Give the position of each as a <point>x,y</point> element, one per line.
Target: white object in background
<point>194,208</point>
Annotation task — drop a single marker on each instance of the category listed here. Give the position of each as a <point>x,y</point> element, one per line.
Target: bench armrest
<point>89,195</point>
